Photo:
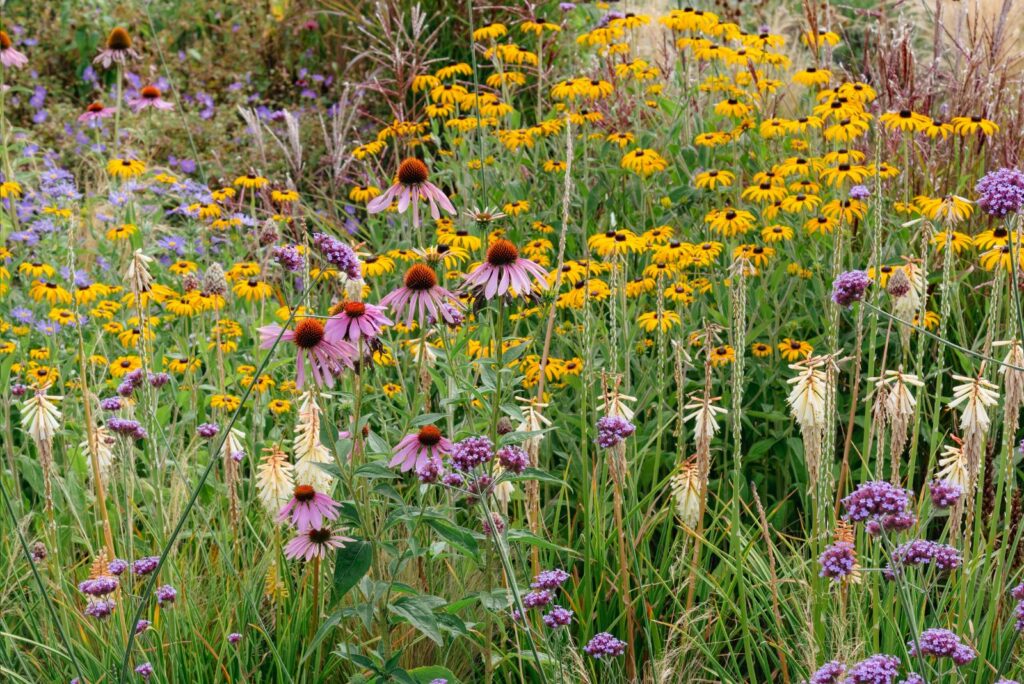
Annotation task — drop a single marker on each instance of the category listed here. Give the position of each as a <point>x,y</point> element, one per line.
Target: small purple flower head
<point>144,566</point>
<point>98,586</point>
<point>429,471</point>
<point>604,645</point>
<point>944,493</point>
<point>111,404</point>
<point>876,669</point>
<point>288,257</point>
<point>145,670</point>
<point>453,480</point>
<point>166,595</point>
<point>495,525</point>
<point>611,430</point>
<point>859,192</point>
<point>127,427</point>
<point>513,458</point>
<point>550,579</point>
<point>837,561</point>
<point>141,626</point>
<point>1018,592</point>
<point>882,505</point>
<point>472,452</point>
<point>18,390</point>
<point>558,617</point>
<point>100,608</point>
<point>207,430</point>
<point>829,673</point>
<point>337,253</point>
<point>1001,192</point>
<point>159,379</point>
<point>234,638</point>
<point>942,643</point>
<point>923,552</point>
<point>537,599</point>
<point>850,287</point>
<point>439,680</point>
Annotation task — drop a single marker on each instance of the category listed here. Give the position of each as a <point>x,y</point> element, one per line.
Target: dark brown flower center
<point>420,277</point>
<point>151,92</point>
<point>304,493</point>
<point>308,333</point>
<point>412,172</point>
<point>5,41</point>
<point>320,536</point>
<point>119,40</point>
<point>502,253</point>
<point>429,436</point>
<point>95,107</point>
<point>355,309</point>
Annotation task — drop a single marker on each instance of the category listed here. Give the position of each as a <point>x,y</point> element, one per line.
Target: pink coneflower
<point>419,295</point>
<point>418,448</point>
<point>325,355</point>
<point>94,112</point>
<point>9,57</point>
<point>504,269</point>
<point>314,543</point>
<point>411,187</point>
<point>150,96</point>
<point>356,320</point>
<point>308,508</point>
<point>117,49</point>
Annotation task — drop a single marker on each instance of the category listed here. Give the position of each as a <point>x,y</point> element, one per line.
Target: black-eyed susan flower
<point>794,350</point>
<point>225,402</point>
<point>938,129</point>
<point>842,173</point>
<point>615,243</point>
<point>252,289</point>
<point>761,350</point>
<point>958,241</point>
<point>121,232</point>
<point>812,76</point>
<point>722,355</point>
<point>644,162</point>
<point>123,365</point>
<point>729,221</point>
<point>904,120</point>
<point>50,292</point>
<point>1002,257</point>
<point>822,225</point>
<point>125,168</point>
<point>971,125</point>
<point>712,178</point>
<point>776,233</point>
<point>993,237</point>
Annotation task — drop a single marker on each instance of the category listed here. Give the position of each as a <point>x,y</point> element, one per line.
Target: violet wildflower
<point>558,617</point>
<point>829,673</point>
<point>18,389</point>
<point>430,471</point>
<point>944,493</point>
<point>611,430</point>
<point>471,452</point>
<point>604,645</point>
<point>127,428</point>
<point>145,670</point>
<point>875,499</point>
<point>410,187</point>
<point>288,257</point>
<point>838,561</point>
<point>117,567</point>
<point>453,480</point>
<point>144,566</point>
<point>158,380</point>
<point>923,552</point>
<point>98,586</point>
<point>1018,613</point>
<point>418,448</point>
<point>337,253</point>
<point>141,626</point>
<point>1001,192</point>
<point>537,598</point>
<point>207,430</point>
<point>513,458</point>
<point>550,579</point>
<point>166,595</point>
<point>1018,592</point>
<point>494,525</point>
<point>38,552</point>
<point>859,192</point>
<point>942,643</point>
<point>100,609</point>
<point>234,638</point>
<point>439,680</point>
<point>876,669</point>
<point>849,287</point>
<point>308,508</point>
<point>111,404</point>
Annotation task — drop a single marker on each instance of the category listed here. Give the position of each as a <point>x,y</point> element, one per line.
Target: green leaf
<point>428,673</point>
<point>351,563</point>
<point>419,613</point>
<point>459,536</point>
<point>376,470</point>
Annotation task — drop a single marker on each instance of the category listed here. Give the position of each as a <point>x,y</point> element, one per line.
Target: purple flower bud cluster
<point>453,480</point>
<point>876,669</point>
<point>550,579</point>
<point>141,626</point>
<point>145,670</point>
<point>1001,192</point>
<point>158,380</point>
<point>98,586</point>
<point>234,638</point>
<point>944,493</point>
<point>942,643</point>
<point>558,617</point>
<point>430,470</point>
<point>881,505</point>
<point>545,587</point>
<point>494,525</point>
<point>604,645</point>
<point>127,427</point>
<point>829,673</point>
<point>923,552</point>
<point>165,595</point>
<point>288,257</point>
<point>611,430</point>
<point>537,598</point>
<point>130,382</point>
<point>513,458</point>
<point>837,561</point>
<point>337,253</point>
<point>1018,613</point>
<point>144,566</point>
<point>850,287</point>
<point>859,192</point>
<point>207,430</point>
<point>100,608</point>
<point>471,452</point>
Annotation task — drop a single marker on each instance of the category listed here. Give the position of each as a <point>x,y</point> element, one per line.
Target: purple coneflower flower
<point>420,296</point>
<point>150,96</point>
<point>308,508</point>
<point>96,111</point>
<point>505,270</point>
<point>412,186</point>
<point>357,320</point>
<point>117,49</point>
<point>9,57</point>
<point>314,543</point>
<point>325,356</point>
<point>418,448</point>
<point>604,645</point>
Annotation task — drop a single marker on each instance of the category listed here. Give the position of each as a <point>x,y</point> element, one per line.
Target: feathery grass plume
<point>104,451</point>
<point>898,406</point>
<point>845,532</point>
<point>906,287</point>
<point>274,480</point>
<point>308,449</point>
<point>807,403</point>
<point>138,277</point>
<point>40,418</point>
<point>1013,382</point>
<point>687,490</point>
<point>973,396</point>
<point>232,452</point>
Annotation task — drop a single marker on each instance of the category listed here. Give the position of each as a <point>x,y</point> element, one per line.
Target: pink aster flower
<point>308,508</point>
<point>95,112</point>
<point>9,57</point>
<point>325,356</point>
<point>421,295</point>
<point>357,320</point>
<point>503,270</point>
<point>314,543</point>
<point>411,187</point>
<point>418,448</point>
<point>150,96</point>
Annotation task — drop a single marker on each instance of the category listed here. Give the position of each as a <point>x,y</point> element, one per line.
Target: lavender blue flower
<point>944,493</point>
<point>942,643</point>
<point>850,287</point>
<point>558,617</point>
<point>513,458</point>
<point>1001,192</point>
<point>604,645</point>
<point>837,561</point>
<point>611,430</point>
<point>471,452</point>
<point>829,673</point>
<point>338,254</point>
<point>876,669</point>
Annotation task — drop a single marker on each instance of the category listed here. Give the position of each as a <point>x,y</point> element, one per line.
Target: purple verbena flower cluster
<point>876,669</point>
<point>923,552</point>
<point>882,506</point>
<point>837,561</point>
<point>337,253</point>
<point>127,427</point>
<point>611,430</point>
<point>850,287</point>
<point>288,257</point>
<point>944,493</point>
<point>604,645</point>
<point>942,643</point>
<point>829,673</point>
<point>472,452</point>
<point>1001,192</point>
<point>513,458</point>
